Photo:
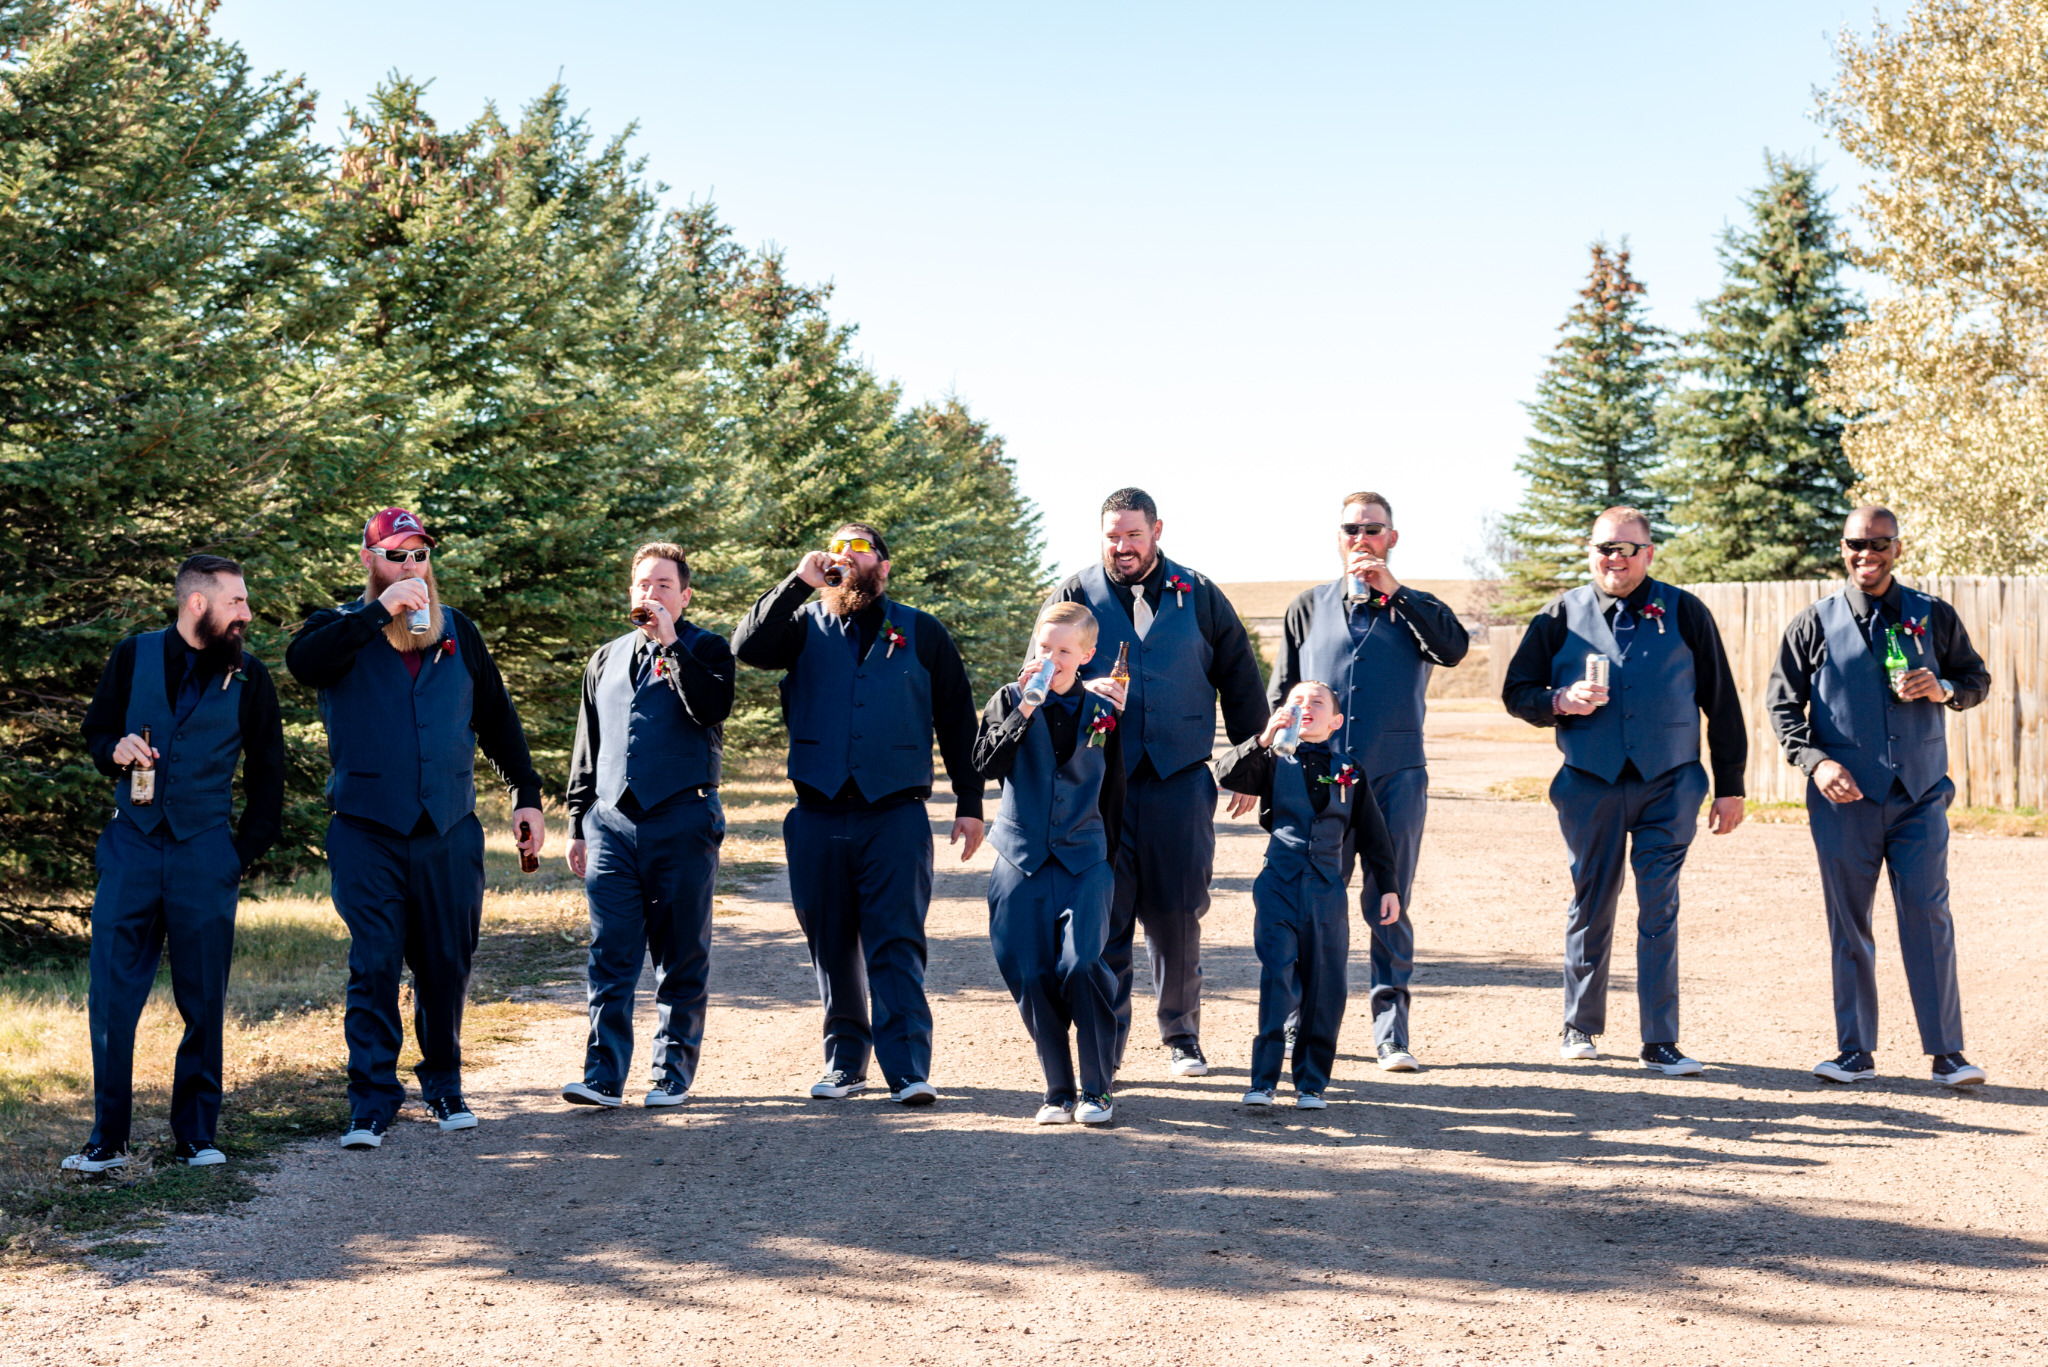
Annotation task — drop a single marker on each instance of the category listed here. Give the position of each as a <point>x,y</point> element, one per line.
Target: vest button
<point>179,736</point>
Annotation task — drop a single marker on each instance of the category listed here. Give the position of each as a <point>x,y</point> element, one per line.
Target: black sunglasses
<point>1623,548</point>
<point>418,553</point>
<point>1868,543</point>
<point>1361,528</point>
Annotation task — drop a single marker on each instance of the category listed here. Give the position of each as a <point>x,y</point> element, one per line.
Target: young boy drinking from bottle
<point>1052,742</point>
<point>1311,798</point>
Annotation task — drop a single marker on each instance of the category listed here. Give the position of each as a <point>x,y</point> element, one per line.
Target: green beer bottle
<point>1895,665</point>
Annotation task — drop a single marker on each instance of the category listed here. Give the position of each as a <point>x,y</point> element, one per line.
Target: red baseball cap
<point>392,526</point>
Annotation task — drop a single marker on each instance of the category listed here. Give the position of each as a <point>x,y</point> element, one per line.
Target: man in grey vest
<point>646,826</point>
<point>169,868</point>
<point>1375,642</point>
<point>868,682</point>
<point>1186,646</point>
<point>408,692</point>
<point>1631,785</point>
<point>1875,753</point>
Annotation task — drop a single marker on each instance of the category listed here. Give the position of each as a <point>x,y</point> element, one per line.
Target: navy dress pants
<point>649,878</point>
<point>1910,839</point>
<point>1048,929</point>
<point>1301,930</point>
<point>1403,798</point>
<point>412,901</point>
<point>1649,823</point>
<point>153,890</point>
<point>1162,883</point>
<point>861,881</point>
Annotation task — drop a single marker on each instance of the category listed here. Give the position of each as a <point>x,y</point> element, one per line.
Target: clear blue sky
<point>1248,257</point>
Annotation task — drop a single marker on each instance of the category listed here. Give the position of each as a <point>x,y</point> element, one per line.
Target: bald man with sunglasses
<point>1631,784</point>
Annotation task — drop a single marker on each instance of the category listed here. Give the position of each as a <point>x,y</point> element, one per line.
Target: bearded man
<point>868,681</point>
<point>408,692</point>
<point>183,703</point>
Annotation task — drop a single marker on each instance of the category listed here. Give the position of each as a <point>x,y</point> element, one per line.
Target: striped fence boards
<point>1998,750</point>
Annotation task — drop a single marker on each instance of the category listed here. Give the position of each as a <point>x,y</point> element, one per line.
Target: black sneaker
<point>1186,1061</point>
<point>1669,1060</point>
<point>837,1085</point>
<point>1395,1058</point>
<point>1576,1043</point>
<point>1953,1070</point>
<point>365,1132</point>
<point>592,1094</point>
<point>95,1158</point>
<point>198,1154</point>
<point>452,1112</point>
<point>1851,1065</point>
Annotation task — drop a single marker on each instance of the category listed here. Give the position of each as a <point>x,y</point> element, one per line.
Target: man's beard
<point>220,644</point>
<point>862,590</point>
<point>396,631</point>
<point>1117,576</point>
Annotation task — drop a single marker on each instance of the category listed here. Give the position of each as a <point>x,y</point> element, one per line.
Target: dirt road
<point>1500,1206</point>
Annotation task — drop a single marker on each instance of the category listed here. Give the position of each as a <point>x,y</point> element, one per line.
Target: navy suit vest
<point>868,720</point>
<point>1305,840</point>
<point>1170,706</point>
<point>195,777</point>
<point>402,747</point>
<point>1860,722</point>
<point>1379,682</point>
<point>1652,714</point>
<point>646,741</point>
<point>1050,809</point>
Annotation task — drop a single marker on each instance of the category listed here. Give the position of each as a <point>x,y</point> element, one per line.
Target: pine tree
<point>1757,481</point>
<point>1595,442</point>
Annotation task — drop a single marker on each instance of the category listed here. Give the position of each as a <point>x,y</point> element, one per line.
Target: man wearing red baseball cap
<point>408,692</point>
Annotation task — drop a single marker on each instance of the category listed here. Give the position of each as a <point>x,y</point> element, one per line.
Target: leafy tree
<point>1949,115</point>
<point>1595,441</point>
<point>1756,481</point>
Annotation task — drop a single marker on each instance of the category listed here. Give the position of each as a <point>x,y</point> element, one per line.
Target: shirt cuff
<point>528,795</point>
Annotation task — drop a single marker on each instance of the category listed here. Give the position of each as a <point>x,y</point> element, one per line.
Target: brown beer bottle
<point>142,778</point>
<point>1120,673</point>
<point>528,861</point>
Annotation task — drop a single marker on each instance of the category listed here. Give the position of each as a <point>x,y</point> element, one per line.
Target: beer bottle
<point>142,778</point>
<point>1120,673</point>
<point>1895,665</point>
<point>528,861</point>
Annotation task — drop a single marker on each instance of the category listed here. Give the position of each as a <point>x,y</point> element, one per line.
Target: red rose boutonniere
<point>1346,777</point>
<point>1179,588</point>
<point>893,637</point>
<point>1654,610</point>
<point>1918,631</point>
<point>1099,729</point>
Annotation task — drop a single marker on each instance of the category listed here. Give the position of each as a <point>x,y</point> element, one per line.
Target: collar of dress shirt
<point>1861,604</point>
<point>1635,597</point>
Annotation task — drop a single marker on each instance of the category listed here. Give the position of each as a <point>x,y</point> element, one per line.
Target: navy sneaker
<point>1670,1060</point>
<point>1953,1070</point>
<point>95,1158</point>
<point>365,1132</point>
<point>1851,1065</point>
<point>837,1085</point>
<point>1185,1060</point>
<point>198,1154</point>
<point>451,1112</point>
<point>592,1094</point>
<point>667,1092</point>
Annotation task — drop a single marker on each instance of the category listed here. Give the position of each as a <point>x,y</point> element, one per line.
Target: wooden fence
<point>1998,750</point>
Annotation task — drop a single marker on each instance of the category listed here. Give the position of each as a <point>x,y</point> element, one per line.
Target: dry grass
<point>1963,821</point>
<point>1525,788</point>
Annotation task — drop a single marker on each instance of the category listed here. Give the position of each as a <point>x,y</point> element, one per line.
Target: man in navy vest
<point>868,682</point>
<point>645,827</point>
<point>1631,785</point>
<point>1186,646</point>
<point>408,692</point>
<point>1375,641</point>
<point>169,870</point>
<point>1876,759</point>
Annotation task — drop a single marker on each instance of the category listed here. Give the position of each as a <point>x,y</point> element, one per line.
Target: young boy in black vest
<point>1308,800</point>
<point>1060,762</point>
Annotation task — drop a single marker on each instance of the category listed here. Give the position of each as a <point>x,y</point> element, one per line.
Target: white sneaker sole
<point>1578,1051</point>
<point>74,1163</point>
<point>583,1094</point>
<point>1102,1117</point>
<point>1054,1115</point>
<point>205,1158</point>
<point>465,1121</point>
<point>916,1094</point>
<point>1972,1076</point>
<point>362,1139</point>
<point>1310,1103</point>
<point>661,1098</point>
<point>1189,1068</point>
<point>1403,1062</point>
<point>1831,1073</point>
<point>1256,1099</point>
<point>1687,1068</point>
<point>823,1092</point>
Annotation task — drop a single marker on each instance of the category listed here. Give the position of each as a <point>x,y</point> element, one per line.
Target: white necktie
<point>1141,613</point>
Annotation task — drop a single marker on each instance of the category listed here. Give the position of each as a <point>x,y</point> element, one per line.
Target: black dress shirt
<point>1438,633</point>
<point>106,722</point>
<point>1528,690</point>
<point>1250,767</point>
<point>771,636</point>
<point>1804,649</point>
<point>701,677</point>
<point>326,648</point>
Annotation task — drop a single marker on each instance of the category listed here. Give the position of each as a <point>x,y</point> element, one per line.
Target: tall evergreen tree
<point>1757,481</point>
<point>1595,441</point>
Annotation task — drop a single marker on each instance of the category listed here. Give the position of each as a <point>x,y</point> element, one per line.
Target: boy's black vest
<point>402,747</point>
<point>1170,705</point>
<point>1652,714</point>
<point>195,777</point>
<point>1864,726</point>
<point>1305,840</point>
<point>868,720</point>
<point>646,741</point>
<point>1379,681</point>
<point>1054,810</point>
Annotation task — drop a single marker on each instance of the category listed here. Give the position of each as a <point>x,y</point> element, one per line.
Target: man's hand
<point>1836,784</point>
<point>1725,815</point>
<point>1390,908</point>
<point>536,829</point>
<point>1107,689</point>
<point>811,569</point>
<point>404,595</point>
<point>969,829</point>
<point>1916,684</point>
<point>1240,803</point>
<point>130,750</point>
<point>663,627</point>
<point>579,856</point>
<point>1375,573</point>
<point>1581,699</point>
